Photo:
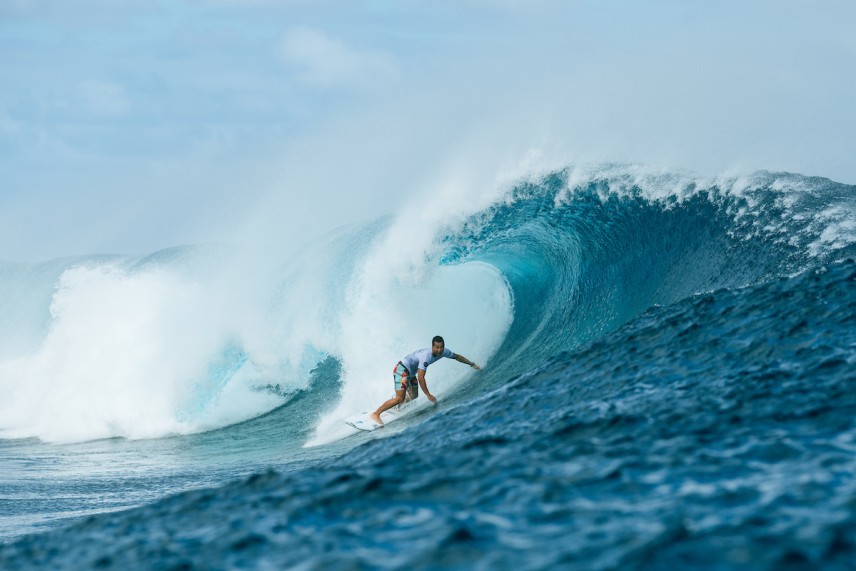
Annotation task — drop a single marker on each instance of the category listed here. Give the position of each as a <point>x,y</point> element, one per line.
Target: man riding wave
<point>407,384</point>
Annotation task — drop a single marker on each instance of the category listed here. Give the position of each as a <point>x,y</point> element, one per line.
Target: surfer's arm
<point>465,361</point>
<point>420,377</point>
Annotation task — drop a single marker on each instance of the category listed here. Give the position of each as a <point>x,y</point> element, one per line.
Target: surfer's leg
<point>412,390</point>
<point>397,399</point>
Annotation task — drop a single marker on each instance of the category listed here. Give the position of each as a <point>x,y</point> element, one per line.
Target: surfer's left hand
<point>432,398</point>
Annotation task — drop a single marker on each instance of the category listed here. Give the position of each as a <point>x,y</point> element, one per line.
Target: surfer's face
<point>437,348</point>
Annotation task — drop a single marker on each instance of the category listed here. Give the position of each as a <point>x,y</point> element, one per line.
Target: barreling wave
<point>585,251</point>
<point>167,344</point>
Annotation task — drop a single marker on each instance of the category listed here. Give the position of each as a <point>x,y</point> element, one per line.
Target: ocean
<point>668,381</point>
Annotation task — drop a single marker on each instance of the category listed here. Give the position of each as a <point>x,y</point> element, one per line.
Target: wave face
<point>667,369</point>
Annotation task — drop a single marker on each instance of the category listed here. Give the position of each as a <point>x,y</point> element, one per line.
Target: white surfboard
<point>363,421</point>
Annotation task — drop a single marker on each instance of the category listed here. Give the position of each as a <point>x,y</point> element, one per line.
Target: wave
<point>192,339</point>
<point>585,251</point>
<point>716,432</point>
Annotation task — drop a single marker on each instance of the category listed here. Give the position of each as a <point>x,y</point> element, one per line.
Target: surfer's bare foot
<point>376,417</point>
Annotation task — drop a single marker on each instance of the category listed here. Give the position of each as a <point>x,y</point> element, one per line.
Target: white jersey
<point>421,358</point>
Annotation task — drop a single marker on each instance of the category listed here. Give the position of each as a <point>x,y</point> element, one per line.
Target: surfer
<point>405,384</point>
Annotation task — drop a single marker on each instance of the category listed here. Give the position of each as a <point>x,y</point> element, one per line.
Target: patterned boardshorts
<point>402,381</point>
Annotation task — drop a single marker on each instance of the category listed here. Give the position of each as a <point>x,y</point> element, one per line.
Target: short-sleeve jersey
<point>421,358</point>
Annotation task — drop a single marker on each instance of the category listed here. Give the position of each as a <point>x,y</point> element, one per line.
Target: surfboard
<point>363,421</point>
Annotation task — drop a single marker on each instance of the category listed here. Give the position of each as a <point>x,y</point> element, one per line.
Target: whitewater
<point>667,380</point>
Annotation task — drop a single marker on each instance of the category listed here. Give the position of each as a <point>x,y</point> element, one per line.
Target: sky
<point>127,127</point>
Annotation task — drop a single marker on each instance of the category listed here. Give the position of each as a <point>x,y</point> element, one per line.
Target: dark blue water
<point>676,389</point>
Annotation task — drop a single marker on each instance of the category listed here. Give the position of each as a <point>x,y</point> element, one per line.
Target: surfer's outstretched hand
<point>431,397</point>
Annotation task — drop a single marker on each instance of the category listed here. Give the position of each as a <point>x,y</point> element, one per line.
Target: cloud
<point>103,98</point>
<point>8,126</point>
<point>327,62</point>
<point>82,13</point>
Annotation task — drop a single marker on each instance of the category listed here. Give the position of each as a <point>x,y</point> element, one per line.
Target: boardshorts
<point>402,381</point>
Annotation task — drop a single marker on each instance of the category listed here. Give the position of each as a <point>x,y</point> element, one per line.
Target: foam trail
<point>144,348</point>
<point>128,354</point>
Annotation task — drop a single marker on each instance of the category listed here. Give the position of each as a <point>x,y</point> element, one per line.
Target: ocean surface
<point>669,381</point>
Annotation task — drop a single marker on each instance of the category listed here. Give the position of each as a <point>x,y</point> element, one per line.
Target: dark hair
<point>437,339</point>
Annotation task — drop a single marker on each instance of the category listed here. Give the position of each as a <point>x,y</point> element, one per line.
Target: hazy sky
<point>130,126</point>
